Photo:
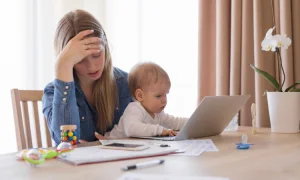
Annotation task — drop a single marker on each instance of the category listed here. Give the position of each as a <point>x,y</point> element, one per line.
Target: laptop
<point>210,118</point>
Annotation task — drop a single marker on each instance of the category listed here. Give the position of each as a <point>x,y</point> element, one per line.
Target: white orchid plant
<point>273,43</point>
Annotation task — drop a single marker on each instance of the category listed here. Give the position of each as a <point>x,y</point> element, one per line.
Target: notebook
<point>95,154</point>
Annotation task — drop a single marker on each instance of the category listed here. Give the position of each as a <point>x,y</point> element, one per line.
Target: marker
<point>143,165</point>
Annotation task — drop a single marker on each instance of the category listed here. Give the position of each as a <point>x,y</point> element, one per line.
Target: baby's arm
<point>172,122</point>
<point>135,123</point>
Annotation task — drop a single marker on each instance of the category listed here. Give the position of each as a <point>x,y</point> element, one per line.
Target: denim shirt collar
<point>118,74</point>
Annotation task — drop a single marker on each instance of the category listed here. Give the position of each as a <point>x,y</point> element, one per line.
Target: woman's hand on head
<point>75,51</point>
<point>79,47</point>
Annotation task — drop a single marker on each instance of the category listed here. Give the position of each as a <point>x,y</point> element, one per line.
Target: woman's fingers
<point>83,34</point>
<point>92,46</point>
<point>91,40</point>
<point>91,51</point>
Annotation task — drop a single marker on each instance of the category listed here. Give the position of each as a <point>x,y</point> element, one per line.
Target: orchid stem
<point>279,55</point>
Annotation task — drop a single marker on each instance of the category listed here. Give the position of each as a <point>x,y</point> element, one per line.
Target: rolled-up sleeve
<point>60,107</point>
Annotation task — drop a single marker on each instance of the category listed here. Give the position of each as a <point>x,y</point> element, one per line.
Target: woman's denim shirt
<point>64,103</point>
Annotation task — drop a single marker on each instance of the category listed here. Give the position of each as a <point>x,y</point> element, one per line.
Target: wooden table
<point>274,156</point>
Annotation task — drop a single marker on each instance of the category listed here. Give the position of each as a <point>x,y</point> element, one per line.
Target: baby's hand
<point>168,132</point>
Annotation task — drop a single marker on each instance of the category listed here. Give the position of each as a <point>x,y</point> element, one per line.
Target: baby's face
<point>155,98</point>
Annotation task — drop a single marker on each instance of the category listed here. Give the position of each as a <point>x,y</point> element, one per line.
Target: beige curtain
<point>230,35</point>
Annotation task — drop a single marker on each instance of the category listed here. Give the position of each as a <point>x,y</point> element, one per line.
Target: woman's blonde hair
<point>145,74</point>
<point>105,89</point>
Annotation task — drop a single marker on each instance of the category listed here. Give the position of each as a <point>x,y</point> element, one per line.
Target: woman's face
<point>91,67</point>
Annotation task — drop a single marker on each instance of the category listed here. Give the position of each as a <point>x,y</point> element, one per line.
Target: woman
<point>87,91</point>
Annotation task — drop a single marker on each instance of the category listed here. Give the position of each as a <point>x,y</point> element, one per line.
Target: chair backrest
<point>20,99</point>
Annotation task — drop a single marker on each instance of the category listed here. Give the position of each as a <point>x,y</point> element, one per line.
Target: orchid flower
<point>268,44</point>
<point>269,33</point>
<point>273,43</point>
<point>281,41</point>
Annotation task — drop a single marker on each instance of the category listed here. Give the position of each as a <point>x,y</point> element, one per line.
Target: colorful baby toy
<point>68,134</point>
<point>37,156</point>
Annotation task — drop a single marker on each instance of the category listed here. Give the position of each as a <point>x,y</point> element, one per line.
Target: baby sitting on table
<point>149,84</point>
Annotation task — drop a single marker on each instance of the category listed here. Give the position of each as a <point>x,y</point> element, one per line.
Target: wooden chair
<point>22,121</point>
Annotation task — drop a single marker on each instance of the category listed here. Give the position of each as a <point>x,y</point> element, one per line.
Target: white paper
<point>189,147</point>
<point>137,176</point>
<point>211,146</point>
<point>194,147</point>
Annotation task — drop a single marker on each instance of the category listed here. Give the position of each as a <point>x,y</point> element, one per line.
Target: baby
<point>149,84</point>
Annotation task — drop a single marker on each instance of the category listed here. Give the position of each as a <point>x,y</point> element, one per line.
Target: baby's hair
<point>145,74</point>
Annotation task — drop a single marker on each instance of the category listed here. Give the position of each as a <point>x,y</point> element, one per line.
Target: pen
<point>143,165</point>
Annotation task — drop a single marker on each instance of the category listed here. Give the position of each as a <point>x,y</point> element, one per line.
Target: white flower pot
<point>284,111</point>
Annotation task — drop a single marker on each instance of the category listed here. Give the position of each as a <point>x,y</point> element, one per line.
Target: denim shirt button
<point>67,87</point>
<point>82,117</point>
<point>64,99</point>
<point>65,93</point>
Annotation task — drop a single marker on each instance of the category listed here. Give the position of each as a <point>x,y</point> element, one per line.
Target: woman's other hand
<point>82,141</point>
<point>99,136</point>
